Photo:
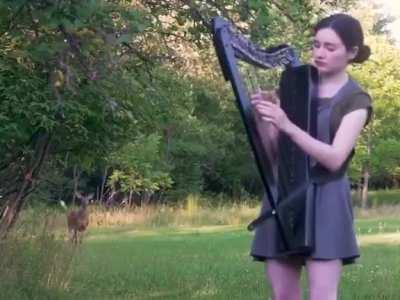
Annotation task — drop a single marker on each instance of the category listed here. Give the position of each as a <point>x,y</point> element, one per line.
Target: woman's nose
<point>319,52</point>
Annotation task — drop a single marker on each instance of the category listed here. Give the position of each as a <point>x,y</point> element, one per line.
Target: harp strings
<point>256,85</point>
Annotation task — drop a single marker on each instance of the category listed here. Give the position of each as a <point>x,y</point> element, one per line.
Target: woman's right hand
<point>260,97</point>
<point>268,131</point>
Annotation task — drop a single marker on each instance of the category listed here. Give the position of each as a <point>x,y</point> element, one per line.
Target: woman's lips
<point>320,63</point>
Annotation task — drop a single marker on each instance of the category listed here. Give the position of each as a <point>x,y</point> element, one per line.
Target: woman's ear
<point>352,53</point>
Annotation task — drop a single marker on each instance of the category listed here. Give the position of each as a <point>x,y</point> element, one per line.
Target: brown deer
<point>78,220</point>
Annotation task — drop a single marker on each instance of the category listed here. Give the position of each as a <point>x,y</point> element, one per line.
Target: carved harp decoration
<point>289,191</point>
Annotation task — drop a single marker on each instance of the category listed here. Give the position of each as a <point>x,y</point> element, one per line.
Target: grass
<point>34,262</point>
<point>194,251</point>
<point>170,265</point>
<point>384,197</point>
<point>209,263</point>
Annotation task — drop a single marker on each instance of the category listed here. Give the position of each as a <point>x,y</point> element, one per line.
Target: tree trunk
<point>12,208</point>
<point>396,183</point>
<point>364,194</point>
<point>366,174</point>
<point>359,191</point>
<point>14,202</point>
<point>97,194</point>
<point>130,199</point>
<point>76,176</point>
<point>103,184</point>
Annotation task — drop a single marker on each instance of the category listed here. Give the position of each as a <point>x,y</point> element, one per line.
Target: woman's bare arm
<point>330,156</point>
<point>269,135</point>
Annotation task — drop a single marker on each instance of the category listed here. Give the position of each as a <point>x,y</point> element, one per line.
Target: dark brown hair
<point>350,32</point>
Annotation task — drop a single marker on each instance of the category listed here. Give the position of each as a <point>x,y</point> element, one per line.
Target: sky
<point>393,8</point>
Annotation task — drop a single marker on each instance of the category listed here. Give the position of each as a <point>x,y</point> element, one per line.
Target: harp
<point>289,190</point>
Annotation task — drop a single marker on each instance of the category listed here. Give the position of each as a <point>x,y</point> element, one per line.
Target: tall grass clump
<point>194,210</point>
<point>35,262</point>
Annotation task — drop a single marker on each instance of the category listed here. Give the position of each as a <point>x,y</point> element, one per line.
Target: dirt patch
<point>382,238</point>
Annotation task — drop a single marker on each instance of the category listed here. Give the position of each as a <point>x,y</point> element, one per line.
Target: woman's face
<point>329,54</point>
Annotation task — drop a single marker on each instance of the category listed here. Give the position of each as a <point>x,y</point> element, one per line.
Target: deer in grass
<point>78,220</point>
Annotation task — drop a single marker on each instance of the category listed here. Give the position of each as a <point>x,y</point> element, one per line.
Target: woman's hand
<point>266,106</point>
<point>268,132</point>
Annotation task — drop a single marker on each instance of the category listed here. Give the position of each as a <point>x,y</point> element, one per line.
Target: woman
<point>343,110</point>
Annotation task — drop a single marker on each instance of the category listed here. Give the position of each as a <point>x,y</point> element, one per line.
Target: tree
<point>377,152</point>
<point>60,63</point>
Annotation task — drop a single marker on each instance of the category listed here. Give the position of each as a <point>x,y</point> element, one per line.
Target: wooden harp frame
<point>291,194</point>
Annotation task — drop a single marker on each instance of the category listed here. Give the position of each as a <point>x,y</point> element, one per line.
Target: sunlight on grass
<point>99,235</point>
<point>213,262</point>
<point>383,238</point>
<point>206,262</point>
<point>196,250</point>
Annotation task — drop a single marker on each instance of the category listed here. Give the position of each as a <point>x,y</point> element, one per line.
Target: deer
<point>78,220</point>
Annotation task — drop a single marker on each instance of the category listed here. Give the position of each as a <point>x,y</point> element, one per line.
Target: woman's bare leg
<point>284,277</point>
<point>323,278</point>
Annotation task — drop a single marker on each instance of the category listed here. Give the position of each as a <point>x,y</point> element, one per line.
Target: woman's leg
<point>323,278</point>
<point>284,277</point>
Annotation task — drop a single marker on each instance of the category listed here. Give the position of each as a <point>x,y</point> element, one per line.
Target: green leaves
<point>137,87</point>
<point>138,166</point>
<point>380,76</point>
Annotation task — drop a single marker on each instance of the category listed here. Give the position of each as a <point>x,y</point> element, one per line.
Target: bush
<point>384,197</point>
<point>34,262</point>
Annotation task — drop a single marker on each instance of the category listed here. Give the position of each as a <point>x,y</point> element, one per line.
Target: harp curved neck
<point>244,49</point>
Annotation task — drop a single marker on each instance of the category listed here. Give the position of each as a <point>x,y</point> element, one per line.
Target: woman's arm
<point>269,137</point>
<point>330,156</point>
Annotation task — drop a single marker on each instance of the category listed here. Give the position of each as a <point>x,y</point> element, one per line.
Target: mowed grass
<point>208,263</point>
<point>193,251</point>
<point>212,262</point>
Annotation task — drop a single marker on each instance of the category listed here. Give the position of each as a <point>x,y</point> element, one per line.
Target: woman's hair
<point>350,32</point>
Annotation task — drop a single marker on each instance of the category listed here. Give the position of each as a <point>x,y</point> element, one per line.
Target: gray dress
<point>334,232</point>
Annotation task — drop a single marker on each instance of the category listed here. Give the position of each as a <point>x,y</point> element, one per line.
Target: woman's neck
<point>329,84</point>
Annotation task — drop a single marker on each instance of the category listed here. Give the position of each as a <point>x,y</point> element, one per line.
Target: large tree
<point>60,66</point>
<point>377,161</point>
<point>82,83</point>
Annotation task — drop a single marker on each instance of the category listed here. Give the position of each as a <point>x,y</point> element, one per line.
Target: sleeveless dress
<point>334,231</point>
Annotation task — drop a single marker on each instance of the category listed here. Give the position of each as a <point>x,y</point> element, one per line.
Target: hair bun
<point>363,54</point>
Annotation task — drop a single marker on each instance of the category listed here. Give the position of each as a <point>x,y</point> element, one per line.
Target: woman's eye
<point>331,49</point>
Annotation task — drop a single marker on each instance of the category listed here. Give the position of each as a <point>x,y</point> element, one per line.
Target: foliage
<point>61,62</point>
<point>380,76</point>
<point>130,93</point>
<point>139,169</point>
<point>35,263</point>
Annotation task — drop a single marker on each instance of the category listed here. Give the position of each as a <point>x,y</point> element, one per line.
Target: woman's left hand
<point>273,113</point>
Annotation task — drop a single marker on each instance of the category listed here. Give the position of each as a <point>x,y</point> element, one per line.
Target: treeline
<point>125,99</point>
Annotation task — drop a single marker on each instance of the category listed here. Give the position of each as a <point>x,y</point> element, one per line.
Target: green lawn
<point>209,262</point>
<point>212,263</point>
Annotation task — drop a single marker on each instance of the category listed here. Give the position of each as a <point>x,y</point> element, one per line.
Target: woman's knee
<point>284,277</point>
<point>323,278</point>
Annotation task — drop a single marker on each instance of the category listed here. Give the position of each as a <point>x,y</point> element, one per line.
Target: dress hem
<point>345,260</point>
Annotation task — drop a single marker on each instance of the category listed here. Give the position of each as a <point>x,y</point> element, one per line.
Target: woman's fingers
<point>259,105</point>
<point>266,113</point>
<point>268,108</point>
<point>269,120</point>
<point>269,96</point>
<point>257,96</point>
